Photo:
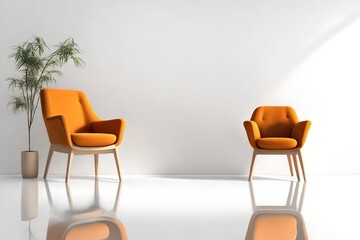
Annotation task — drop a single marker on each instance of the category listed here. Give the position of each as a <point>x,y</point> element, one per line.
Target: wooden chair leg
<point>117,163</point>
<point>302,165</point>
<point>70,157</point>
<point>290,165</point>
<point>252,166</point>
<point>96,162</point>
<point>296,167</point>
<point>50,154</point>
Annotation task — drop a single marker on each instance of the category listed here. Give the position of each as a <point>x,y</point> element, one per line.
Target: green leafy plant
<point>38,66</point>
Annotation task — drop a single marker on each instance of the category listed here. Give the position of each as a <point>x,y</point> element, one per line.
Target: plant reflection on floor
<point>77,223</point>
<point>29,202</point>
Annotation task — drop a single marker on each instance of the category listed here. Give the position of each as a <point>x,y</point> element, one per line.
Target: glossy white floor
<point>174,208</point>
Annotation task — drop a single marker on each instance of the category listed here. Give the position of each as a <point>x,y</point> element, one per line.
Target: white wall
<point>186,74</point>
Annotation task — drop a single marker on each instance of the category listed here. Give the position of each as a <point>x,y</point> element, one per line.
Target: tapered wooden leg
<point>50,154</point>
<point>252,165</point>
<point>296,167</point>
<point>70,157</point>
<point>302,165</point>
<point>96,162</point>
<point>290,165</point>
<point>117,163</point>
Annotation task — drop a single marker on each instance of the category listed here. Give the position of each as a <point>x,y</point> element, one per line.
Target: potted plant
<point>38,66</point>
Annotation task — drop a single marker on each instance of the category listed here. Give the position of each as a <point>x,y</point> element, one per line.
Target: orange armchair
<point>277,130</point>
<point>74,128</point>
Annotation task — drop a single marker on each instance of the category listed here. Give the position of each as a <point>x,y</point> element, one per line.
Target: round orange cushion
<point>93,139</point>
<point>276,143</point>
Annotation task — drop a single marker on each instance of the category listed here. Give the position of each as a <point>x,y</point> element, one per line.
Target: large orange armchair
<point>277,130</point>
<point>74,128</point>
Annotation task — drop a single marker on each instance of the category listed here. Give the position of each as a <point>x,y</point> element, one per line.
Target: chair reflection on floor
<point>280,222</point>
<point>92,223</point>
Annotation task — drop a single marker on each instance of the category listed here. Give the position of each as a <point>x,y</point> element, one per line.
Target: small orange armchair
<point>276,130</point>
<point>74,128</point>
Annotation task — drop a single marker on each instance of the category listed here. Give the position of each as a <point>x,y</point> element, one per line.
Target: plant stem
<point>28,108</point>
<point>29,138</point>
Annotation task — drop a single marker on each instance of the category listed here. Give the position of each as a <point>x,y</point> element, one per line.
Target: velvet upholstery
<point>74,128</point>
<point>93,139</point>
<point>68,112</point>
<point>276,123</point>
<point>277,130</point>
<point>276,143</point>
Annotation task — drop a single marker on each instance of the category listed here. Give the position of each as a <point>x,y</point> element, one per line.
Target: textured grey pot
<point>29,164</point>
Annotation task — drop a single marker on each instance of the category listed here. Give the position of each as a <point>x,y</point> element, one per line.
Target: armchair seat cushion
<point>93,139</point>
<point>276,143</point>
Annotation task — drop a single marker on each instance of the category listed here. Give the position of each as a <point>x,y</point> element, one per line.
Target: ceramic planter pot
<point>29,164</point>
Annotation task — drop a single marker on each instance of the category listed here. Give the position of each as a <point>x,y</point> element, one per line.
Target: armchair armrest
<point>113,126</point>
<point>300,132</point>
<point>252,131</point>
<point>58,130</point>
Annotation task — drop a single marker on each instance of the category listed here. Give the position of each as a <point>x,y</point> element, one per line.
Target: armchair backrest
<point>275,121</point>
<point>73,105</point>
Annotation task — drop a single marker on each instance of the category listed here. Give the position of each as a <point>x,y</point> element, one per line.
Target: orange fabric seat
<point>93,139</point>
<point>277,130</point>
<point>276,143</point>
